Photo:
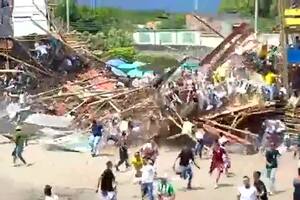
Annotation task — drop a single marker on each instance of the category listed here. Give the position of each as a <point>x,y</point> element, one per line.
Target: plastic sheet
<point>49,120</point>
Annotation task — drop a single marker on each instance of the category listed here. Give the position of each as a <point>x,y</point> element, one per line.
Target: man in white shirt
<point>199,135</point>
<point>148,175</point>
<point>247,192</point>
<point>48,193</point>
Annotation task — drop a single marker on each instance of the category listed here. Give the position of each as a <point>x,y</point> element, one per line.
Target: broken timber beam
<point>216,131</point>
<point>26,64</point>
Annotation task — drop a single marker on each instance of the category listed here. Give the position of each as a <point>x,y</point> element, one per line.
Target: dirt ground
<point>74,175</point>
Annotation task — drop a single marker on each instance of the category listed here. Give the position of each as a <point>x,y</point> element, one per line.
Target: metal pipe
<point>68,15</point>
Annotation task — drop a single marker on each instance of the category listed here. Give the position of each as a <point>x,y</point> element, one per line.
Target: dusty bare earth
<point>74,175</point>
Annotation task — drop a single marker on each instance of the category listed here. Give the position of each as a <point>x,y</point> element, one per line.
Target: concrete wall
<point>176,37</point>
<point>26,16</point>
<point>272,39</point>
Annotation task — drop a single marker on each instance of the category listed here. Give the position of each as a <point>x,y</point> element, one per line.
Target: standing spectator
<point>48,193</point>
<point>271,167</point>
<point>260,186</point>
<point>148,175</point>
<point>186,157</point>
<point>107,181</point>
<point>247,192</point>
<point>95,137</point>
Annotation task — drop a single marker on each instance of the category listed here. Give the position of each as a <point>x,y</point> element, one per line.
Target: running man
<point>147,180</point>
<point>247,192</point>
<point>20,141</point>
<point>260,186</point>
<point>186,157</point>
<point>123,151</point>
<point>107,182</point>
<point>95,138</point>
<point>49,194</point>
<point>271,166</point>
<point>199,135</point>
<point>137,162</point>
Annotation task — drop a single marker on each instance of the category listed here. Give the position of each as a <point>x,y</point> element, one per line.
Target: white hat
<point>165,176</point>
<point>18,128</point>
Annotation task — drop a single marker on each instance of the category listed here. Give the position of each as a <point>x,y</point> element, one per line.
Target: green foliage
<point>61,10</point>
<point>84,18</point>
<point>118,38</point>
<point>173,22</point>
<point>158,62</point>
<point>267,11</point>
<point>126,53</point>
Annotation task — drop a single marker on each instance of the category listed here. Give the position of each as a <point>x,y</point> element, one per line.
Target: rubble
<point>225,91</point>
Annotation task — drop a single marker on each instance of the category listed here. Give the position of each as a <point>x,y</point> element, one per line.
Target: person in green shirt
<point>20,140</point>
<point>165,190</point>
<point>271,166</point>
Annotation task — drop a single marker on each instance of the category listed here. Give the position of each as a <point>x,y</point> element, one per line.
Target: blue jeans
<point>187,173</point>
<point>147,190</point>
<point>17,153</point>
<point>198,148</point>
<point>271,89</point>
<point>94,142</point>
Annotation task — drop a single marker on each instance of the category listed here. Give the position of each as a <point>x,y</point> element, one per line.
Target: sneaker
<point>216,186</point>
<point>117,168</point>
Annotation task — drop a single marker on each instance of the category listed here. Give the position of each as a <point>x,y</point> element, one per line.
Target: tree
<point>61,10</point>
<point>116,38</point>
<point>267,8</point>
<point>173,22</point>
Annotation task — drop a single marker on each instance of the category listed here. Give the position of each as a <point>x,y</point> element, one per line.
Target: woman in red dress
<point>217,162</point>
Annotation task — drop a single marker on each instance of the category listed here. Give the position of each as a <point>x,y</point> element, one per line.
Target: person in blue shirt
<point>95,137</point>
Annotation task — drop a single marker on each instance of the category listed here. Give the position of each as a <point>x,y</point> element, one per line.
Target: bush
<point>157,62</point>
<point>126,53</point>
<point>116,38</point>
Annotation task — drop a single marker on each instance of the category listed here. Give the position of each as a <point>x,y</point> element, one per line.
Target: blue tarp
<point>138,73</point>
<point>190,66</point>
<point>115,62</point>
<point>127,67</point>
<point>293,55</point>
<point>118,72</point>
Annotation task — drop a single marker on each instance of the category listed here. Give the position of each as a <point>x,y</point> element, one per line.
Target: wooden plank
<point>292,22</point>
<point>216,131</point>
<point>26,64</point>
<point>291,12</point>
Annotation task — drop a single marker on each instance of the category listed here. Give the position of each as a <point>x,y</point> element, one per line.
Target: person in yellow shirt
<point>138,163</point>
<point>270,80</point>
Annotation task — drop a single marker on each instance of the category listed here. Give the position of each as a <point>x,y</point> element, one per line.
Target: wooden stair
<point>227,46</point>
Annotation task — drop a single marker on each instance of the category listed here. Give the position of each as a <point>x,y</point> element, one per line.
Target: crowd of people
<point>144,165</point>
